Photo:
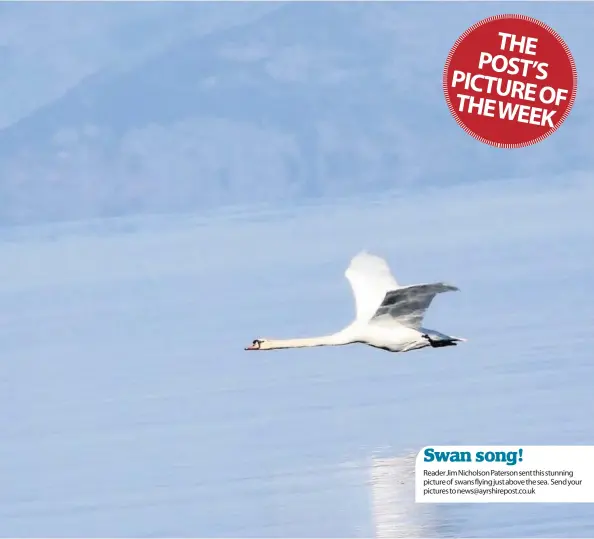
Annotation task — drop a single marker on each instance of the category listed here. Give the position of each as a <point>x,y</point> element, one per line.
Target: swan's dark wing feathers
<point>407,305</point>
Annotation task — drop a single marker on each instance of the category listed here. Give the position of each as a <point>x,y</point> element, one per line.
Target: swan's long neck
<point>326,340</point>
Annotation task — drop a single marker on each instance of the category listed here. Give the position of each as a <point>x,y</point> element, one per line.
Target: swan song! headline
<point>505,474</point>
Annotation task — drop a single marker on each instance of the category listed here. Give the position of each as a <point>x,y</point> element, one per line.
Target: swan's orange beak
<point>254,346</point>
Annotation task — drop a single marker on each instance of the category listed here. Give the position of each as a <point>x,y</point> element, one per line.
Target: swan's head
<point>259,344</point>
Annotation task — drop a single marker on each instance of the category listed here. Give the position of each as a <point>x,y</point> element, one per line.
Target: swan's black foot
<point>440,343</point>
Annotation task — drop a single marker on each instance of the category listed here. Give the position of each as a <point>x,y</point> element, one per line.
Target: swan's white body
<point>388,316</point>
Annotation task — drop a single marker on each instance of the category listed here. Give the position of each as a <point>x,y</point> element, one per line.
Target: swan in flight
<point>388,316</point>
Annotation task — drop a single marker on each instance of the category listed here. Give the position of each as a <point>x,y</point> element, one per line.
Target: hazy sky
<point>117,108</point>
<point>270,143</point>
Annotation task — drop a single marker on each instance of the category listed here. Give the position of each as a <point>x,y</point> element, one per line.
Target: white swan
<point>388,316</point>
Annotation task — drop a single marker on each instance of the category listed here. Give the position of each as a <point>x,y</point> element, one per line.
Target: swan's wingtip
<point>356,259</point>
<point>361,254</point>
<point>451,287</point>
<point>364,256</point>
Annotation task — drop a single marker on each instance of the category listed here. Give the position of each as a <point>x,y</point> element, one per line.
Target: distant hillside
<point>307,100</point>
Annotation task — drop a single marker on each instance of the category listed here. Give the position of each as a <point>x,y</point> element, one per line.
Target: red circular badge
<point>510,81</point>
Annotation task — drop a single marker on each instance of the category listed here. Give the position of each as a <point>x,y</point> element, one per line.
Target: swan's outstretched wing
<point>407,305</point>
<point>370,278</point>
